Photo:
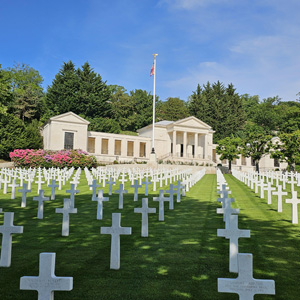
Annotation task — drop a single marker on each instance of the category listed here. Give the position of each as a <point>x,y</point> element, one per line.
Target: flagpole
<point>153,121</point>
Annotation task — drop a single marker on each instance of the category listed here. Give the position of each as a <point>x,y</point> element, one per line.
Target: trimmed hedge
<point>26,158</point>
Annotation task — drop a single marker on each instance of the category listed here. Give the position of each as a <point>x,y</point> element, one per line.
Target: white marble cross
<point>227,210</point>
<point>146,183</point>
<point>53,186</point>
<point>284,180</point>
<point>121,191</point>
<point>123,180</point>
<point>24,192</point>
<point>292,182</point>
<point>115,231</point>
<point>178,190</point>
<point>41,200</point>
<point>136,187</point>
<point>7,229</point>
<point>161,210</point>
<point>5,181</point>
<point>39,182</point>
<point>46,283</point>
<point>233,233</point>
<point>224,192</point>
<point>72,193</point>
<point>155,181</point>
<point>279,194</point>
<point>13,186</point>
<point>171,197</point>
<point>94,186</point>
<point>294,201</point>
<point>100,200</point>
<point>258,183</point>
<point>145,210</point>
<point>262,186</point>
<point>269,192</point>
<point>60,181</point>
<point>66,210</point>
<point>245,285</point>
<point>110,183</point>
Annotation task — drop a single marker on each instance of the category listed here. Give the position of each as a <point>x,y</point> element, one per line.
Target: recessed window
<point>69,141</point>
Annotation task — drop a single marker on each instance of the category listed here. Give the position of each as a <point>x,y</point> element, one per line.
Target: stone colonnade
<point>118,146</point>
<point>189,144</point>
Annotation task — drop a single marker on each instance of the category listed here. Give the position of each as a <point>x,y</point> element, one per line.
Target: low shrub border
<point>26,158</point>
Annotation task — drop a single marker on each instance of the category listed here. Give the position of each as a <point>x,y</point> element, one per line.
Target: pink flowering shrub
<point>26,158</point>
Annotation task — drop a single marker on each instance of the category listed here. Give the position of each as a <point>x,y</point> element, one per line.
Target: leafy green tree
<point>104,125</point>
<point>25,105</point>
<point>6,96</point>
<point>172,110</point>
<point>219,107</point>
<point>288,149</point>
<point>26,84</point>
<point>229,148</point>
<point>14,134</point>
<point>266,115</point>
<point>250,105</point>
<point>290,116</point>
<point>256,144</point>
<point>143,113</point>
<point>122,106</point>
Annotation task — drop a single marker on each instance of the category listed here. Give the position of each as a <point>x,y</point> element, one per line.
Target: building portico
<point>187,139</point>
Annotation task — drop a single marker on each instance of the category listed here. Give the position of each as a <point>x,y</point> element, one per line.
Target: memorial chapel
<point>184,140</point>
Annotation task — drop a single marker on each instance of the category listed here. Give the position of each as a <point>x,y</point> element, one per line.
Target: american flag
<point>152,70</point>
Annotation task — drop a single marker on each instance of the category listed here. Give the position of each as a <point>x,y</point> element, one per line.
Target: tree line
<point>25,106</point>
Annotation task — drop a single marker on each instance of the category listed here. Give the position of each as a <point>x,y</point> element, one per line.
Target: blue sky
<point>254,44</point>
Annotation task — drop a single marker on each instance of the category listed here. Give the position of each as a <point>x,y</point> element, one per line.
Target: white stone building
<point>184,141</point>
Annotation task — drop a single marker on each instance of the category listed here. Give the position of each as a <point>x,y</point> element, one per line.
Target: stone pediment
<point>70,117</point>
<point>192,122</point>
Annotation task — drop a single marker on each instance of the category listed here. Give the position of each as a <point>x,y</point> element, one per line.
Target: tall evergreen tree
<point>61,95</point>
<point>93,95</point>
<point>219,107</point>
<point>81,91</point>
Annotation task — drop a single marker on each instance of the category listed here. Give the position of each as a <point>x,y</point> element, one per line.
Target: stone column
<point>174,142</point>
<point>136,149</point>
<point>111,146</point>
<point>123,148</point>
<point>98,145</point>
<point>205,146</point>
<point>196,145</point>
<point>184,143</point>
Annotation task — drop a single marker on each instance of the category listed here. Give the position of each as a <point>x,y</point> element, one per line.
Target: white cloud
<point>267,79</point>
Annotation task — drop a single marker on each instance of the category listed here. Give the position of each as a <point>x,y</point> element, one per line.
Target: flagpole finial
<point>154,55</point>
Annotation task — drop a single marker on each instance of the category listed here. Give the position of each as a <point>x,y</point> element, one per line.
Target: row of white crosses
<point>116,230</point>
<point>242,263</point>
<point>47,282</point>
<point>162,176</point>
<point>264,182</point>
<point>17,177</point>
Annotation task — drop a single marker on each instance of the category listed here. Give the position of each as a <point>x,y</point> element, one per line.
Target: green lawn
<point>181,259</point>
